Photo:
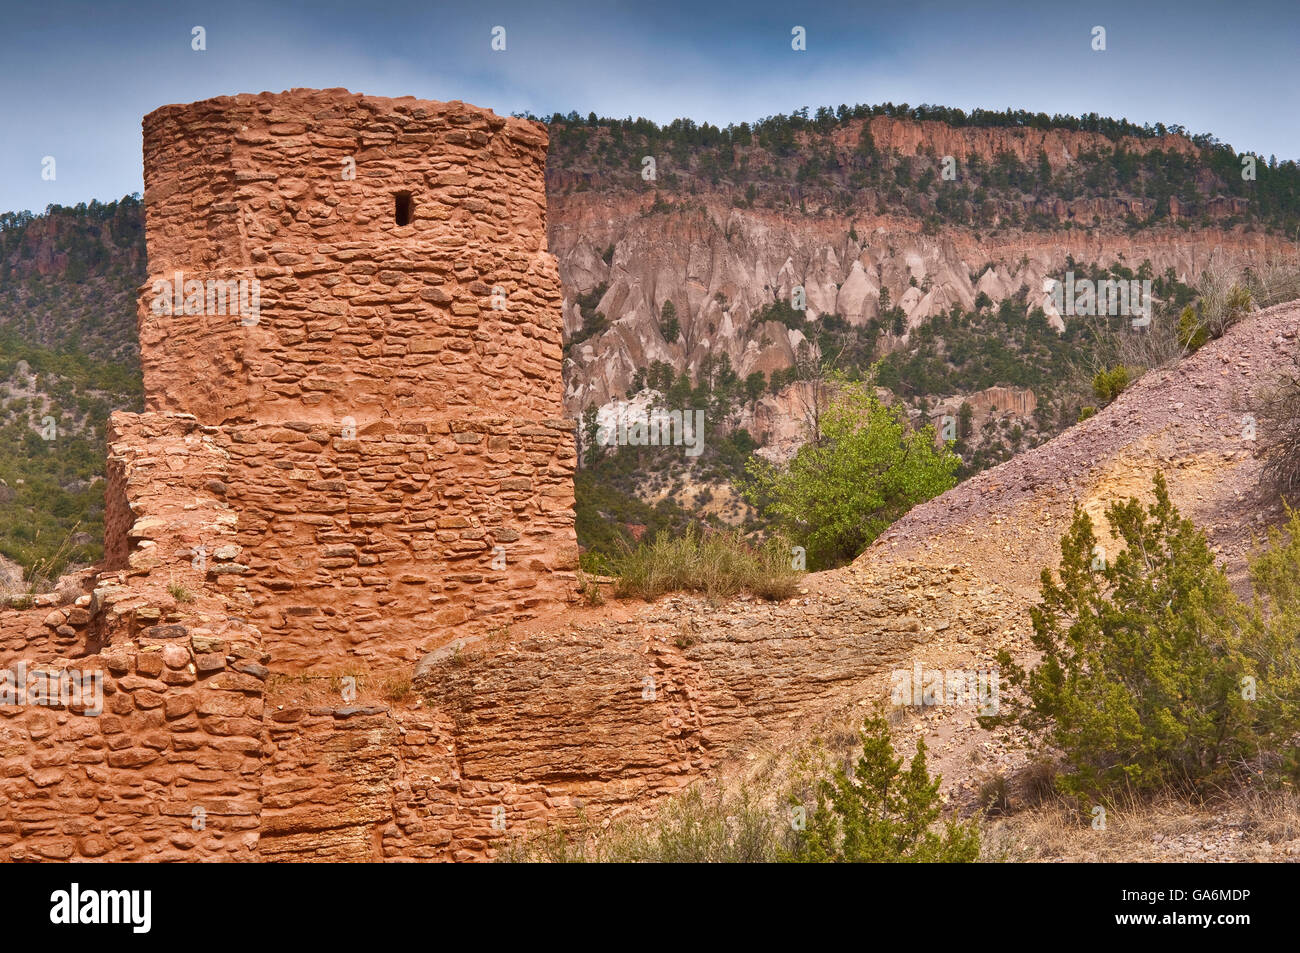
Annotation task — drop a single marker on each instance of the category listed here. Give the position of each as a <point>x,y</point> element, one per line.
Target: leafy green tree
<point>868,469</point>
<point>883,814</point>
<point>1149,660</point>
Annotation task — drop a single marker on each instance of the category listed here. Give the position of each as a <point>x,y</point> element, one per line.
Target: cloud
<point>79,77</point>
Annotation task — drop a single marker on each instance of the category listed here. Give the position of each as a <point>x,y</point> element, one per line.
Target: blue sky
<point>78,76</point>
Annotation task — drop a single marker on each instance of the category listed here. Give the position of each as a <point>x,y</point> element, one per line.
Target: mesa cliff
<point>720,266</point>
<point>720,253</point>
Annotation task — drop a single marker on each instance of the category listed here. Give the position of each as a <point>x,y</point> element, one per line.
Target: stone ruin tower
<point>353,299</point>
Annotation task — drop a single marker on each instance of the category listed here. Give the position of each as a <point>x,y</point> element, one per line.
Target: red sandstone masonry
<point>376,545</point>
<point>367,465</point>
<point>169,769</point>
<point>391,415</point>
<point>360,316</point>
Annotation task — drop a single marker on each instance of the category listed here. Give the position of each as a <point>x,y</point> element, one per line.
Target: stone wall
<point>385,544</point>
<point>165,767</point>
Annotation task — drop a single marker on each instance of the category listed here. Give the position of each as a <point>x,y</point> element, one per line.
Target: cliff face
<point>68,277</point>
<point>850,208</point>
<point>1061,146</point>
<point>720,265</point>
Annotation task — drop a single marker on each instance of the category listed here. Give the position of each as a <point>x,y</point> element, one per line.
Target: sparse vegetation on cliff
<point>54,408</point>
<point>67,359</point>
<point>794,161</point>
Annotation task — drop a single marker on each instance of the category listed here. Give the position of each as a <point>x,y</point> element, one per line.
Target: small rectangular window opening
<point>402,208</point>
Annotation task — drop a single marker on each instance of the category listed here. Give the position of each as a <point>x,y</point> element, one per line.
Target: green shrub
<point>1110,383</point>
<point>1274,648</point>
<point>1224,298</point>
<point>1146,660</point>
<point>869,468</point>
<point>883,814</point>
<point>1191,332</point>
<point>1223,303</point>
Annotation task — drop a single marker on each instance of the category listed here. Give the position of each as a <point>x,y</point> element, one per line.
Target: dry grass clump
<point>1263,825</point>
<point>717,564</point>
<point>692,828</point>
